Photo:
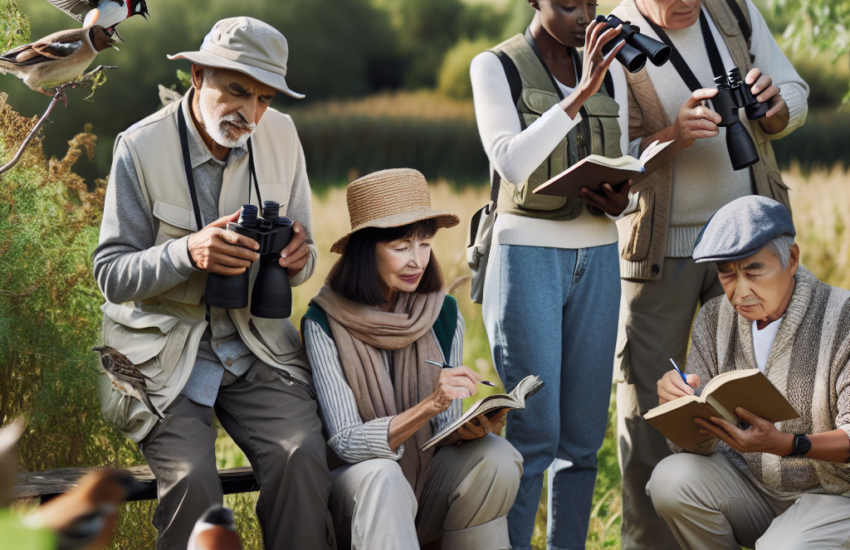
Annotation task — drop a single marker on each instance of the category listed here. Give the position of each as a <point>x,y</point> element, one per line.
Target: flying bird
<point>85,517</point>
<point>215,530</point>
<point>55,59</point>
<point>126,377</point>
<point>105,13</point>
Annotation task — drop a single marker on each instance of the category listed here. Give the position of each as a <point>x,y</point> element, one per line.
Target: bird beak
<point>91,17</point>
<point>117,35</point>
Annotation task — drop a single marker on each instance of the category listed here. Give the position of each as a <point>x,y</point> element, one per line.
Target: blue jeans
<point>553,312</point>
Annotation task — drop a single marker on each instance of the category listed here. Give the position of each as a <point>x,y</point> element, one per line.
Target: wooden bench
<point>52,483</point>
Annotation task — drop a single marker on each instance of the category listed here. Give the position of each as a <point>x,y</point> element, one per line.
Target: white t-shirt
<point>763,341</point>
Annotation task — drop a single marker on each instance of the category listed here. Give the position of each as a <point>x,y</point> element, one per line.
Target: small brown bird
<point>215,530</point>
<point>126,377</point>
<point>55,59</point>
<point>85,517</point>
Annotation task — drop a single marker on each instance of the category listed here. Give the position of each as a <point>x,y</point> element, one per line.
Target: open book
<point>527,387</point>
<point>724,393</point>
<point>595,170</point>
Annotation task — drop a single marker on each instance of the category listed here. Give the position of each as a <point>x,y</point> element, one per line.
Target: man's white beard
<point>216,127</point>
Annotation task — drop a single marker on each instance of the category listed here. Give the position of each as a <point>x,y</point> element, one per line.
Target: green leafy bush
<point>453,79</point>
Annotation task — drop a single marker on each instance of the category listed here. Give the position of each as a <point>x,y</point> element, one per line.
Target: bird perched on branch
<point>55,59</point>
<point>85,517</point>
<point>104,13</point>
<point>126,377</point>
<point>215,530</point>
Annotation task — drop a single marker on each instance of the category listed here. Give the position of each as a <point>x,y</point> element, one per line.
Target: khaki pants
<point>710,505</point>
<point>277,425</point>
<point>655,326</point>
<point>468,493</point>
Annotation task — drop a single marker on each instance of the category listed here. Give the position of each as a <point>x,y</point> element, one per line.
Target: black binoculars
<point>638,46</point>
<point>734,94</point>
<point>272,295</point>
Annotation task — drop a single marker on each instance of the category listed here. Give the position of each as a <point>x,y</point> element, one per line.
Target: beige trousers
<point>655,326</point>
<point>468,493</point>
<point>710,505</point>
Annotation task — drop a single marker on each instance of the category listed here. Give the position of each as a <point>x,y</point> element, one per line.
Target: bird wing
<point>75,8</point>
<point>123,368</point>
<point>44,50</point>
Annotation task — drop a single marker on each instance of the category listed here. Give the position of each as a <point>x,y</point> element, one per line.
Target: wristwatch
<point>802,445</point>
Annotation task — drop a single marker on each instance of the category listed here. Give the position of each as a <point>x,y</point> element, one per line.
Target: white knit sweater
<point>516,154</point>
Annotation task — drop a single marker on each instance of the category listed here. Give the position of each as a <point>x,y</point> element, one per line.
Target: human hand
<point>764,89</point>
<point>457,383</point>
<point>761,437</point>
<point>217,250</point>
<point>595,64</point>
<point>694,120</point>
<point>671,386</point>
<point>478,427</point>
<point>611,202</point>
<point>294,257</point>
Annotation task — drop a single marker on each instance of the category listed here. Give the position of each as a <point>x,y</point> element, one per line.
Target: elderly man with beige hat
<point>177,178</point>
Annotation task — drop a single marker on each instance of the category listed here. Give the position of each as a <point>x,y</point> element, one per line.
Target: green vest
<point>444,327</point>
<point>598,134</point>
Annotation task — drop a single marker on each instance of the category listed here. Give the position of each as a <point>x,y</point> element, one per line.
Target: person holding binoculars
<point>726,93</point>
<point>195,261</point>
<point>551,292</point>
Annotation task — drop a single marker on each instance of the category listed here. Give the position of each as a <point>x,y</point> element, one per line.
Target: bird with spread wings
<point>105,13</point>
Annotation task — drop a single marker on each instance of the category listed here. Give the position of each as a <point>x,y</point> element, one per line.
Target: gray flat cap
<point>246,45</point>
<point>742,228</point>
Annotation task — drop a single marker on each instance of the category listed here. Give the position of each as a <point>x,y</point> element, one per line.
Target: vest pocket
<point>636,246</point>
<point>175,222</point>
<point>603,116</point>
<point>152,341</point>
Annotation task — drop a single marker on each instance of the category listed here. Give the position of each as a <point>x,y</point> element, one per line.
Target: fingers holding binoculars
<point>761,85</point>
<point>294,257</point>
<point>222,221</point>
<point>217,250</point>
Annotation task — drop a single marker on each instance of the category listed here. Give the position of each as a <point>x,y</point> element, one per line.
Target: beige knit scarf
<point>360,332</point>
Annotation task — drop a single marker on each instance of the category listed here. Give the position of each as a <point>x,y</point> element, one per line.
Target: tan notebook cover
<point>595,170</point>
<point>724,393</point>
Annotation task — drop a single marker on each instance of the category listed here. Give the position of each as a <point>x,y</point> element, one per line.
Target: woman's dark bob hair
<point>355,274</point>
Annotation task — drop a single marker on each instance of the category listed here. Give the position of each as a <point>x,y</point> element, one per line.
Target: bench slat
<point>52,483</point>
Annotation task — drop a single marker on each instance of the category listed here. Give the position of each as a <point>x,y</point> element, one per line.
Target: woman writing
<point>368,334</point>
<point>552,287</point>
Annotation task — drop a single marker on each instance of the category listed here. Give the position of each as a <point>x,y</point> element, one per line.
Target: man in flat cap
<point>177,178</point>
<point>768,486</point>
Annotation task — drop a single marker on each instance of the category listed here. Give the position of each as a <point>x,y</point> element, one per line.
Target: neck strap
<point>190,177</point>
<point>679,62</point>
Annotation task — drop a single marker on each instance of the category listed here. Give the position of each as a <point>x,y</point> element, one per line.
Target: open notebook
<point>527,387</point>
<point>747,388</point>
<point>595,170</point>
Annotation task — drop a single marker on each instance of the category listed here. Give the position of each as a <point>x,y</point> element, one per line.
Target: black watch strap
<point>802,445</point>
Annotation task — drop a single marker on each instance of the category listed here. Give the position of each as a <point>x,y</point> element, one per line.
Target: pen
<point>447,366</point>
<point>682,374</point>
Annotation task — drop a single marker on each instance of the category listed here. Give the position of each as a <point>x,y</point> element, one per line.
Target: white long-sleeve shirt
<point>516,153</point>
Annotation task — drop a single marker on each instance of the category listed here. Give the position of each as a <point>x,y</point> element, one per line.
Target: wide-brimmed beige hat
<point>246,45</point>
<point>390,198</point>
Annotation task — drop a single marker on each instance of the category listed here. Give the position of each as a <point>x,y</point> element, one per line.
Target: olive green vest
<point>598,133</point>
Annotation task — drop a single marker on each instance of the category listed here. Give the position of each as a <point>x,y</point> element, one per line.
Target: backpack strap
<point>515,82</point>
<point>444,327</point>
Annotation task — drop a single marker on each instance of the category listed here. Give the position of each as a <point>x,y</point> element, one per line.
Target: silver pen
<point>447,366</point>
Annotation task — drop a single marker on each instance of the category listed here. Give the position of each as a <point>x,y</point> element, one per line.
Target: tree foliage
<point>821,26</point>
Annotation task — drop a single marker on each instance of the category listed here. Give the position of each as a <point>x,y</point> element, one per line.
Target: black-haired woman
<point>368,333</point>
<point>552,288</point>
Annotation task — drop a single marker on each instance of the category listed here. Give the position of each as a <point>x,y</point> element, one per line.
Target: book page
<point>625,162</point>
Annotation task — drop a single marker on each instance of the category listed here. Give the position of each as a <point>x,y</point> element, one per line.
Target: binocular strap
<point>679,62</point>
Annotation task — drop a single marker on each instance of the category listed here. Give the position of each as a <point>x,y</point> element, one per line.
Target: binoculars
<point>638,46</point>
<point>734,94</point>
<point>272,294</point>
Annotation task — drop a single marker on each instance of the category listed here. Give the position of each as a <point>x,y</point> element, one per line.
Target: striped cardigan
<point>808,363</point>
<point>352,439</point>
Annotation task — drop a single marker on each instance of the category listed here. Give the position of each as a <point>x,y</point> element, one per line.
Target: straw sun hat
<point>390,198</point>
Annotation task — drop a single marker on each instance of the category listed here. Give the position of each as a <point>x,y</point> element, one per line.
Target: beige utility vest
<point>161,334</point>
<point>598,133</point>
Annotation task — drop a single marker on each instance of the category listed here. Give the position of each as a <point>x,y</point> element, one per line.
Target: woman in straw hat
<point>368,334</point>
